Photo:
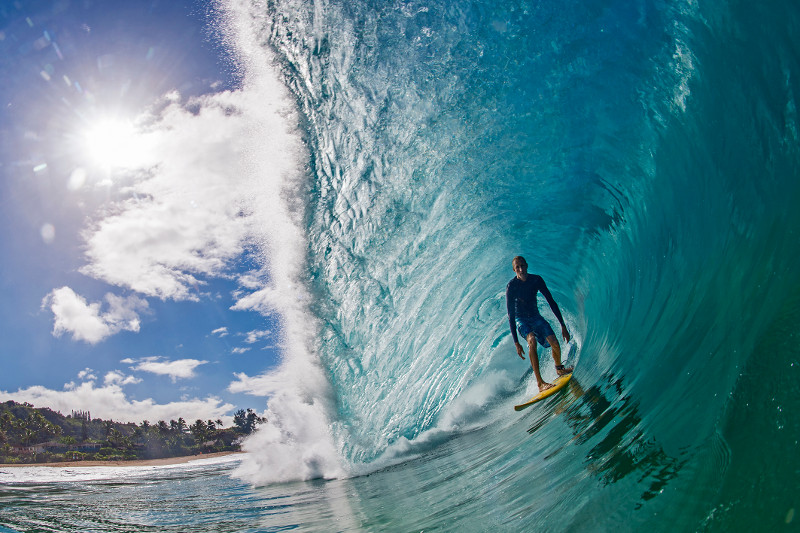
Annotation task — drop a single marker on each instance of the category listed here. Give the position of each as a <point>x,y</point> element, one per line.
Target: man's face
<point>521,269</point>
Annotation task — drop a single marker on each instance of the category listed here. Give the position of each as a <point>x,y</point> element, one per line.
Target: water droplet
<point>48,233</point>
<point>77,179</point>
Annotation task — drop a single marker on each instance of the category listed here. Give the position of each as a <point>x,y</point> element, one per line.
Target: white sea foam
<point>296,442</point>
<point>60,474</point>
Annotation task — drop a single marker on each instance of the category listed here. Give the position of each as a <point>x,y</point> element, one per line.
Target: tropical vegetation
<point>38,435</point>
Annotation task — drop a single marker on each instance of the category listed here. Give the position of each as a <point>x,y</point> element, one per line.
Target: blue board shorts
<point>536,325</point>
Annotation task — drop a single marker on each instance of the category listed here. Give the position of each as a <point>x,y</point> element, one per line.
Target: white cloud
<point>251,280</point>
<point>239,351</point>
<point>255,335</point>
<point>110,402</point>
<point>263,385</point>
<point>223,178</point>
<point>87,374</point>
<point>89,322</point>
<point>190,209</point>
<point>115,377</point>
<point>220,332</point>
<point>181,368</point>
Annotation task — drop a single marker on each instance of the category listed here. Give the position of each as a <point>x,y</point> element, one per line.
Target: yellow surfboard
<point>558,384</point>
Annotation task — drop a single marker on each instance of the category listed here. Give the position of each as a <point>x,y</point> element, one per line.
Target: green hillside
<point>37,435</point>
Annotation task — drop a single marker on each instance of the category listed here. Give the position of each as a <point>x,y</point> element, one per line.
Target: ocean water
<point>643,156</point>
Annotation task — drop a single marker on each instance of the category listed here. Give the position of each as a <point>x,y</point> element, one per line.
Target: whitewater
<point>643,156</point>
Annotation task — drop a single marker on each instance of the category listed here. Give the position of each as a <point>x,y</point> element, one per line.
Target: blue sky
<point>135,274</point>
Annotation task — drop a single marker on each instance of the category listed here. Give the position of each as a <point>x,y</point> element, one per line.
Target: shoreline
<point>166,461</point>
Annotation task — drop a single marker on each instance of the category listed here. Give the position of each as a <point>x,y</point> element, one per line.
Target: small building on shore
<point>56,447</point>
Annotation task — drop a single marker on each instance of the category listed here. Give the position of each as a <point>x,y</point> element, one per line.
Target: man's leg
<point>557,355</point>
<point>543,385</point>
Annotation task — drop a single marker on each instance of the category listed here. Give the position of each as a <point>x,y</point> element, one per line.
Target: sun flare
<point>114,143</point>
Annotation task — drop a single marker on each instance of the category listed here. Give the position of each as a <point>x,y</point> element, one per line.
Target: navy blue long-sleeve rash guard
<point>521,301</point>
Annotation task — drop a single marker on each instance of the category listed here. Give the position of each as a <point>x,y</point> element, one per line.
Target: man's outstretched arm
<point>556,311</point>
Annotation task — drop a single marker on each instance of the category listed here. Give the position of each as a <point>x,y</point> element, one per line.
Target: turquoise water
<point>643,156</point>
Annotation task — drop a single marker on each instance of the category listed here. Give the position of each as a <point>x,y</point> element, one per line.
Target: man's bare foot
<point>543,386</point>
<point>561,370</point>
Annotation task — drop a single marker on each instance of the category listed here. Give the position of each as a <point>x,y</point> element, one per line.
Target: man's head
<point>520,267</point>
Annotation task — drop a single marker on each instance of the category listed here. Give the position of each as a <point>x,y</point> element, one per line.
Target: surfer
<point>524,316</point>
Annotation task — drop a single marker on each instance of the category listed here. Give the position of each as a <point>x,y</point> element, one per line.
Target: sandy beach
<point>145,462</point>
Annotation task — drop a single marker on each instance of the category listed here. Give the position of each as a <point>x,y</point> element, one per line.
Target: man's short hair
<point>519,259</point>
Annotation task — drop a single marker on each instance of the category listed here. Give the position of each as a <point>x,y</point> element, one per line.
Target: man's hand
<point>520,351</point>
<point>565,333</point>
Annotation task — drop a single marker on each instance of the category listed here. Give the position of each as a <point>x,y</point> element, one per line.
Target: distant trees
<point>31,429</point>
<point>246,421</point>
<point>203,431</point>
<point>162,439</point>
<point>54,437</point>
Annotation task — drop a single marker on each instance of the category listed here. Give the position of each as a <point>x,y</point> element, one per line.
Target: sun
<point>114,143</point>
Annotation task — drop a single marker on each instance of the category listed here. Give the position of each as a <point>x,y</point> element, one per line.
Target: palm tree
<point>199,431</point>
<point>41,428</point>
<point>28,436</point>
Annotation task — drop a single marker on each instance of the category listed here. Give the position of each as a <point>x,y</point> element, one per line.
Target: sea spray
<point>295,443</point>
